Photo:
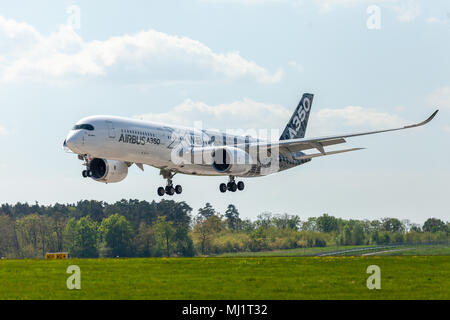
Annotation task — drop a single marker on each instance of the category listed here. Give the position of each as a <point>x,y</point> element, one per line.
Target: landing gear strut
<point>169,189</point>
<point>88,172</point>
<point>231,185</point>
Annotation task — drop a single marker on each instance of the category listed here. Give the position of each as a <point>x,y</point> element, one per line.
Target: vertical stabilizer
<point>296,127</point>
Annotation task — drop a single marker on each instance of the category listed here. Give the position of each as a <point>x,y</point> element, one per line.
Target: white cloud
<point>328,5</point>
<point>247,114</point>
<point>435,20</point>
<point>441,98</point>
<point>297,66</point>
<point>440,16</point>
<point>252,2</point>
<point>337,121</point>
<point>3,131</point>
<point>446,128</point>
<point>406,10</point>
<point>243,114</point>
<point>147,55</point>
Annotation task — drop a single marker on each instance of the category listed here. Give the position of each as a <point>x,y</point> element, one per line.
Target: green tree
<point>434,225</point>
<point>264,220</point>
<point>145,241</point>
<point>310,224</point>
<point>59,225</point>
<point>204,232</point>
<point>326,223</point>
<point>117,234</point>
<point>258,240</point>
<point>375,238</point>
<point>81,237</point>
<point>286,221</point>
<point>207,211</point>
<point>385,238</point>
<point>93,209</point>
<point>35,235</point>
<point>392,225</point>
<point>357,234</point>
<point>347,236</point>
<point>165,233</point>
<point>232,215</point>
<point>9,246</point>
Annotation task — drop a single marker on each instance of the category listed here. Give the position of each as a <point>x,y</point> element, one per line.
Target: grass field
<point>402,277</point>
<point>420,250</point>
<point>291,252</point>
<point>441,249</point>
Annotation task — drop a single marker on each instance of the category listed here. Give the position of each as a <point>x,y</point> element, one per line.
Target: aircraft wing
<point>327,153</point>
<point>287,147</point>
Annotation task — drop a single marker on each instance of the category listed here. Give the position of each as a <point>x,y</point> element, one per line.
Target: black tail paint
<point>296,127</point>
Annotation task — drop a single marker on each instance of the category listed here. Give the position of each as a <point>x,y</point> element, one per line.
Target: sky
<point>234,64</point>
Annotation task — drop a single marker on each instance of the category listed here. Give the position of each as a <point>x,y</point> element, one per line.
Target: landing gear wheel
<point>89,173</point>
<point>240,185</point>
<point>84,173</point>
<point>170,190</point>
<point>161,191</point>
<point>232,186</point>
<point>178,189</point>
<point>223,187</point>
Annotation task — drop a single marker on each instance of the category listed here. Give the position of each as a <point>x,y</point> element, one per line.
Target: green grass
<point>402,277</point>
<point>353,250</point>
<point>298,252</point>
<point>421,250</point>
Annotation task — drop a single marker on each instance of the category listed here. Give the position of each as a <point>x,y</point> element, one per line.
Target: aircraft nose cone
<point>73,141</point>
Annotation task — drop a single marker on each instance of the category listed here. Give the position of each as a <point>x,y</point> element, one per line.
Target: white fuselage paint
<point>137,141</point>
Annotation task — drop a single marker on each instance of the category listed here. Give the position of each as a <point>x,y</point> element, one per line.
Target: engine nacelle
<point>108,171</point>
<point>231,160</point>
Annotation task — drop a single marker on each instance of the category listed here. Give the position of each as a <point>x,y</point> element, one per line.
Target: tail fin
<point>296,127</point>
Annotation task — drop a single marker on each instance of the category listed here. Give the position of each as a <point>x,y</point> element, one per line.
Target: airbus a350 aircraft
<point>109,145</point>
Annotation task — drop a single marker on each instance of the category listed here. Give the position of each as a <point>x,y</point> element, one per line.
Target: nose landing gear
<point>88,172</point>
<point>231,185</point>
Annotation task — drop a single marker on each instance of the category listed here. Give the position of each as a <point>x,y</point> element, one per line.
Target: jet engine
<point>231,160</point>
<point>108,171</point>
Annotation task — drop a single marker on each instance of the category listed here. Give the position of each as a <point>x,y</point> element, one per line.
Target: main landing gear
<point>231,186</point>
<point>169,189</point>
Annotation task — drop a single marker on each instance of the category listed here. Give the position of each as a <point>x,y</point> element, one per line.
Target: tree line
<point>133,228</point>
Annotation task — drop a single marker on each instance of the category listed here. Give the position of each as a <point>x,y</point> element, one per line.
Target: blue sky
<point>234,64</point>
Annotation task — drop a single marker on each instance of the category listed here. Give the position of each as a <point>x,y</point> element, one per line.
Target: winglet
<point>423,122</point>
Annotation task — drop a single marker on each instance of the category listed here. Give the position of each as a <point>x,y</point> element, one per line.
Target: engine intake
<point>231,160</point>
<point>108,171</point>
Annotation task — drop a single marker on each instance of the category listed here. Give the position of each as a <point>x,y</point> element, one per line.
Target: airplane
<point>109,145</point>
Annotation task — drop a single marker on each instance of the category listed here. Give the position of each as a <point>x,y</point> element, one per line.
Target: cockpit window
<point>84,126</point>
